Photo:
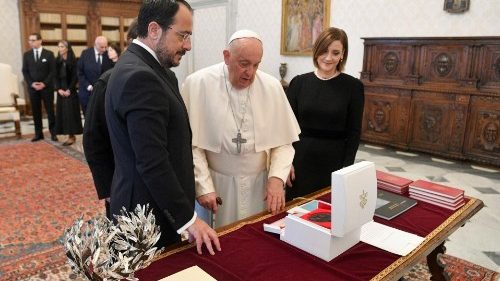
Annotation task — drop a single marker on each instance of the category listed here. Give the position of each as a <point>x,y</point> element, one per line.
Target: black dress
<point>68,118</point>
<point>329,113</point>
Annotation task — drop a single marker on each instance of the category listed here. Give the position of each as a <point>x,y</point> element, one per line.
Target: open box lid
<point>354,197</point>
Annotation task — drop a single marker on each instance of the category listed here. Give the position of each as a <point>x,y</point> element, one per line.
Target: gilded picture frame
<point>301,23</point>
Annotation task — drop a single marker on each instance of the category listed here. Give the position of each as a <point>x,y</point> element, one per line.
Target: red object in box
<point>321,217</point>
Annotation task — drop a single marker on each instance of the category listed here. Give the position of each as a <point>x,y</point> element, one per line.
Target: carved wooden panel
<point>443,64</point>
<point>438,122</point>
<point>430,119</point>
<point>483,141</point>
<point>459,115</point>
<point>386,114</point>
<point>490,70</point>
<point>391,63</point>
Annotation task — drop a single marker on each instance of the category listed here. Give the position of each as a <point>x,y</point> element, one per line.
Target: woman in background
<point>68,118</point>
<point>328,105</point>
<point>114,52</point>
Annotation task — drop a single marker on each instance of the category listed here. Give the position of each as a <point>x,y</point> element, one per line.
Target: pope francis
<point>243,130</point>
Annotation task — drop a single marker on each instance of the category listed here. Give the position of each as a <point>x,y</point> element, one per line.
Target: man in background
<point>243,129</point>
<point>92,63</point>
<point>149,127</point>
<point>96,143</point>
<point>39,71</point>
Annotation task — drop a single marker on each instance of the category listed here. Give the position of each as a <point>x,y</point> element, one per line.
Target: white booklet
<point>389,238</point>
<point>191,273</point>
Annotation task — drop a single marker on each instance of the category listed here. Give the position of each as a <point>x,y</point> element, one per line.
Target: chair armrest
<point>15,97</point>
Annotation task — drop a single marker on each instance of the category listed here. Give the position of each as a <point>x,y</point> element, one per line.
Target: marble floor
<point>477,241</point>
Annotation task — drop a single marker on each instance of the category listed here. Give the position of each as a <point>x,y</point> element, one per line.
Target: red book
<point>438,198</point>
<point>392,179</point>
<point>428,200</point>
<point>437,189</point>
<point>392,188</point>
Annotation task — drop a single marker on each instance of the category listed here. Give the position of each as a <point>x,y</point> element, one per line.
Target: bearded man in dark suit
<point>38,70</point>
<point>149,127</point>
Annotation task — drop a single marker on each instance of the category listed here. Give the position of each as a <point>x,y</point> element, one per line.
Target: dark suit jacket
<point>89,70</point>
<point>96,143</point>
<point>151,139</point>
<point>41,71</point>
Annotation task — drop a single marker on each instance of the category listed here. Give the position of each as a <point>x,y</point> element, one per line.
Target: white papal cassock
<point>269,127</point>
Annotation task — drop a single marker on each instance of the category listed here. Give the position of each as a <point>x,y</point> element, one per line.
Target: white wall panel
<point>209,36</point>
<point>10,43</point>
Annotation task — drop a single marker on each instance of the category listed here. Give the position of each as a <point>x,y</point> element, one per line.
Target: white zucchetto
<point>244,33</point>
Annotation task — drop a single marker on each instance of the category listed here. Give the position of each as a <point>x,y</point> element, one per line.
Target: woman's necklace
<point>316,72</point>
<point>238,140</point>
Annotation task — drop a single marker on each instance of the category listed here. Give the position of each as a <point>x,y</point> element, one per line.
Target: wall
<point>10,45</point>
<point>210,26</point>
<point>377,18</point>
<point>402,18</point>
<point>380,18</point>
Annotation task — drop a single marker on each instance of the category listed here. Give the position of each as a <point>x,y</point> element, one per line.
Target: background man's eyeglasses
<point>185,35</point>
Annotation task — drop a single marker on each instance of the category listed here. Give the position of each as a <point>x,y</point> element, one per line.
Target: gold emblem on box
<point>363,199</point>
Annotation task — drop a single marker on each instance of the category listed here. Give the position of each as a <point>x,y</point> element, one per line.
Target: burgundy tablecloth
<point>249,253</point>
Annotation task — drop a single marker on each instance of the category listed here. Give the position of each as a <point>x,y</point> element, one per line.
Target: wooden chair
<point>9,93</point>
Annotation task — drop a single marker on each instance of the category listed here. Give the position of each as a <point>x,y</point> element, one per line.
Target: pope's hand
<point>291,177</point>
<point>208,201</point>
<point>275,195</point>
<point>201,233</point>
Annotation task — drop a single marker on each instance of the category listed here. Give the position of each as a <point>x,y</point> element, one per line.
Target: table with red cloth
<point>250,253</point>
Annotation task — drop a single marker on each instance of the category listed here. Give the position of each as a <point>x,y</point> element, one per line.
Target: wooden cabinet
<point>77,21</point>
<point>436,95</point>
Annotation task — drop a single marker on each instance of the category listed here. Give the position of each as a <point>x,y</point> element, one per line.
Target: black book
<point>390,205</point>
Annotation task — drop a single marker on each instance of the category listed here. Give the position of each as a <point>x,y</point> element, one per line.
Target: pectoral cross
<point>239,140</point>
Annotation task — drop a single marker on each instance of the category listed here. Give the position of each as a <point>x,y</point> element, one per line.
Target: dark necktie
<point>37,57</point>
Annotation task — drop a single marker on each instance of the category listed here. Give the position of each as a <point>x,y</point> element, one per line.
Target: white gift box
<point>354,196</point>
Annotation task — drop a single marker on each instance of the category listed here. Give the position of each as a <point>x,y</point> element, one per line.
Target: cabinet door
<point>438,122</point>
<point>483,140</point>
<point>385,118</point>
<point>76,32</point>
<point>51,30</point>
<point>110,27</point>
<point>391,64</point>
<point>490,68</point>
<point>443,65</point>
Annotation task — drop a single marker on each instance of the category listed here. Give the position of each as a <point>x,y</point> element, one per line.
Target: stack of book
<point>392,183</point>
<point>437,194</point>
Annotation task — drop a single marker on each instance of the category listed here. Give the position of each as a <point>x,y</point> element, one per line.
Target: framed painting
<point>301,23</point>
